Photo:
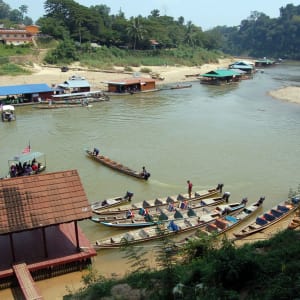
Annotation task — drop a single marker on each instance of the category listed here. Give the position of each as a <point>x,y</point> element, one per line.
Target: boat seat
<point>129,237</point>
<point>220,224</point>
<point>269,217</point>
<point>143,233</point>
<point>181,197</point>
<point>158,201</point>
<point>282,208</point>
<point>276,213</point>
<point>260,221</point>
<point>170,199</point>
<point>211,228</point>
<point>188,222</point>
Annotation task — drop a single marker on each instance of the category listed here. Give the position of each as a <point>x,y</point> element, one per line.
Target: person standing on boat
<point>96,151</point>
<point>144,173</point>
<point>190,187</point>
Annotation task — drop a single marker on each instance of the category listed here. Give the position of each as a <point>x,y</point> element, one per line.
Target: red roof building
<point>38,222</point>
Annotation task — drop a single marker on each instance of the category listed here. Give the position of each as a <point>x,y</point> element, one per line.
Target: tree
<point>135,31</point>
<point>23,9</point>
<point>15,16</point>
<point>4,10</point>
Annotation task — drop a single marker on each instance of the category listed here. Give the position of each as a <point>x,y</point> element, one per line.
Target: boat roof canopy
<point>27,157</point>
<point>7,107</point>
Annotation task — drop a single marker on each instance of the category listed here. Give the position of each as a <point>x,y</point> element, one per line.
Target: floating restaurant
<point>131,85</point>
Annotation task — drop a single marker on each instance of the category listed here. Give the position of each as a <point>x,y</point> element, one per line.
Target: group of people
<point>26,168</point>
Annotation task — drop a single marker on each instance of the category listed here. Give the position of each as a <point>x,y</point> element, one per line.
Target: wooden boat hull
<point>169,228</point>
<point>147,234</point>
<point>57,106</point>
<point>177,87</point>
<point>154,207</point>
<point>128,225</point>
<point>166,201</point>
<point>166,216</point>
<point>274,215</point>
<point>226,223</point>
<point>111,202</point>
<point>116,166</point>
<point>156,211</point>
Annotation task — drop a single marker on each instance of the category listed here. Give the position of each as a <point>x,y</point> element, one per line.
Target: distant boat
<point>28,163</point>
<point>8,113</point>
<point>181,86</point>
<point>116,165</point>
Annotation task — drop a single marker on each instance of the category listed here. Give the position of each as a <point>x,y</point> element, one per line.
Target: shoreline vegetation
<point>97,78</point>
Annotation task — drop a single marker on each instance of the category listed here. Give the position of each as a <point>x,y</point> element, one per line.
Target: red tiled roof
<point>36,201</point>
<point>132,80</point>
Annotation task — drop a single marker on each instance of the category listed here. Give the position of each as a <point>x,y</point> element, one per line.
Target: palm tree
<point>23,9</point>
<point>189,38</point>
<point>135,31</point>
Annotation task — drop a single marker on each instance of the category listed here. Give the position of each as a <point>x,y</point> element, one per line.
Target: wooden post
<point>12,247</point>
<point>45,242</point>
<point>77,238</point>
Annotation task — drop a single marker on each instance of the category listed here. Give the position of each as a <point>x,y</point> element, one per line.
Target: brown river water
<point>237,135</point>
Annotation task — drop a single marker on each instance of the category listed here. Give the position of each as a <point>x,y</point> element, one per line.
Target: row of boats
<point>206,211</point>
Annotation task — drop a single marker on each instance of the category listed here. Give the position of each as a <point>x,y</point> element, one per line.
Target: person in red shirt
<point>190,187</point>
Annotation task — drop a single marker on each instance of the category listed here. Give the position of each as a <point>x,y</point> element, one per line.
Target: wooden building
<point>131,85</point>
<point>220,77</point>
<point>75,84</point>
<point>39,226</point>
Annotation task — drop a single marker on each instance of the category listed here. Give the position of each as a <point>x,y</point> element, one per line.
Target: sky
<point>203,13</point>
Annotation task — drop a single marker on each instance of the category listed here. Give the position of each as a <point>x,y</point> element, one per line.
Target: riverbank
<point>97,78</point>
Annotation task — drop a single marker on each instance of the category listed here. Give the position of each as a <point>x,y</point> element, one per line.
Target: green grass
<point>12,69</point>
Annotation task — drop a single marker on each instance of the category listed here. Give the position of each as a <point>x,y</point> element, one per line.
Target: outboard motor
<point>147,175</point>
<point>244,200</point>
<point>128,195</point>
<point>220,187</point>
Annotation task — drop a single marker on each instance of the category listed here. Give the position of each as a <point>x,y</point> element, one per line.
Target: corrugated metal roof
<point>133,80</point>
<point>74,84</point>
<point>220,73</point>
<point>31,202</point>
<point>24,89</point>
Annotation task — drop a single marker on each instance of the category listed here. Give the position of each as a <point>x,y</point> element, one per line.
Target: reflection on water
<point>236,134</point>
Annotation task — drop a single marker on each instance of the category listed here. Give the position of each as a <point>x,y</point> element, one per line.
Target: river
<point>237,135</point>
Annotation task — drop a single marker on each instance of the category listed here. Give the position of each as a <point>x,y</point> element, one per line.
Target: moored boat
<point>111,202</point>
<point>172,201</point>
<point>116,165</point>
<point>165,216</point>
<point>225,223</point>
<point>158,231</point>
<point>270,217</point>
<point>181,86</point>
<point>8,113</point>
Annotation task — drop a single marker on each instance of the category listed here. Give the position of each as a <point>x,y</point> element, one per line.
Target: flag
<point>26,149</point>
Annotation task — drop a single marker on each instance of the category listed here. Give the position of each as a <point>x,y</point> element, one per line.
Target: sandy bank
<point>52,76</point>
<point>290,93</point>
